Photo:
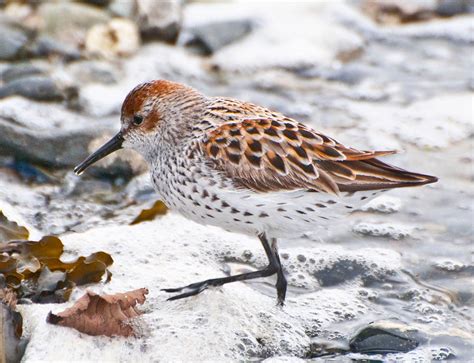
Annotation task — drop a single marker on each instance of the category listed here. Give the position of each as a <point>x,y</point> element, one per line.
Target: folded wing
<point>267,154</point>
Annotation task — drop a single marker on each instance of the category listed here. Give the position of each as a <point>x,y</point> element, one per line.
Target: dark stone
<point>29,173</point>
<point>385,337</point>
<point>17,71</point>
<point>101,3</point>
<point>209,38</point>
<point>12,43</point>
<point>454,7</point>
<point>37,88</point>
<point>45,47</point>
<point>340,272</point>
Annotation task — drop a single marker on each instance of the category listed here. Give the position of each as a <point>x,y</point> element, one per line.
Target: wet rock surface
<point>382,338</point>
<point>119,37</point>
<point>396,273</point>
<point>46,134</point>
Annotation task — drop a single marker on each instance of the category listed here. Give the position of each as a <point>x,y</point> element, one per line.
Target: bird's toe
<point>187,291</point>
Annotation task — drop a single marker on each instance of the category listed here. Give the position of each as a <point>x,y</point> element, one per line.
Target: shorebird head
<point>145,111</point>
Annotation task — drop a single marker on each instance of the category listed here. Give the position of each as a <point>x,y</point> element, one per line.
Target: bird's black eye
<point>137,120</point>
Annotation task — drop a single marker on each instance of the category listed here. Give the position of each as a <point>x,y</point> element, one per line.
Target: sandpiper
<point>245,168</point>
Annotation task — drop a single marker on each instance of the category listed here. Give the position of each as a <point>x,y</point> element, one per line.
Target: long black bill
<point>114,144</point>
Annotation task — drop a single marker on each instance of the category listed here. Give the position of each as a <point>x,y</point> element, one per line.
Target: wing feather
<point>274,153</point>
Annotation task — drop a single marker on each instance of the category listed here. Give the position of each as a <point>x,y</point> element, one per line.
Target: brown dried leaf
<point>10,230</point>
<point>158,209</point>
<point>102,314</point>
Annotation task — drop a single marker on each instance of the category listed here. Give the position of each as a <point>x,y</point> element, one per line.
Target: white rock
<point>119,37</point>
<point>109,103</point>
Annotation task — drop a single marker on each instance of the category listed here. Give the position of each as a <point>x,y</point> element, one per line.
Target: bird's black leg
<point>274,267</point>
<point>281,280</point>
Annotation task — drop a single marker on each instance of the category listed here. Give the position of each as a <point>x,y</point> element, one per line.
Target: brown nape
<point>373,174</point>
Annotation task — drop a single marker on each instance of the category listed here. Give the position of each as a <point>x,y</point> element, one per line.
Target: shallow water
<point>408,259</point>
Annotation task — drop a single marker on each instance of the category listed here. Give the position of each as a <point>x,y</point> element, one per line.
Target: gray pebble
<point>46,46</point>
<point>12,43</point>
<point>17,71</point>
<point>38,88</point>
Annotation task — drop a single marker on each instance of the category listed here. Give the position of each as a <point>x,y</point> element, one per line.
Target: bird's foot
<point>198,287</point>
<point>187,291</point>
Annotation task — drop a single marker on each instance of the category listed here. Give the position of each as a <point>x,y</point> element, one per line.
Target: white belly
<point>279,214</point>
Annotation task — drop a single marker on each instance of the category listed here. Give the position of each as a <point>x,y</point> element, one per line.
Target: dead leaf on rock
<point>158,209</point>
<point>108,315</point>
<point>10,230</point>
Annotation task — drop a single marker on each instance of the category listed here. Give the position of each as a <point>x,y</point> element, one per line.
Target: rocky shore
<point>376,75</point>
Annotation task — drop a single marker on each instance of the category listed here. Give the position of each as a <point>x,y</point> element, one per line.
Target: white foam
<point>392,230</point>
<point>236,321</point>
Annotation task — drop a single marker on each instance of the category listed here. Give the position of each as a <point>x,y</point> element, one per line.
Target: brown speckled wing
<point>274,154</point>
